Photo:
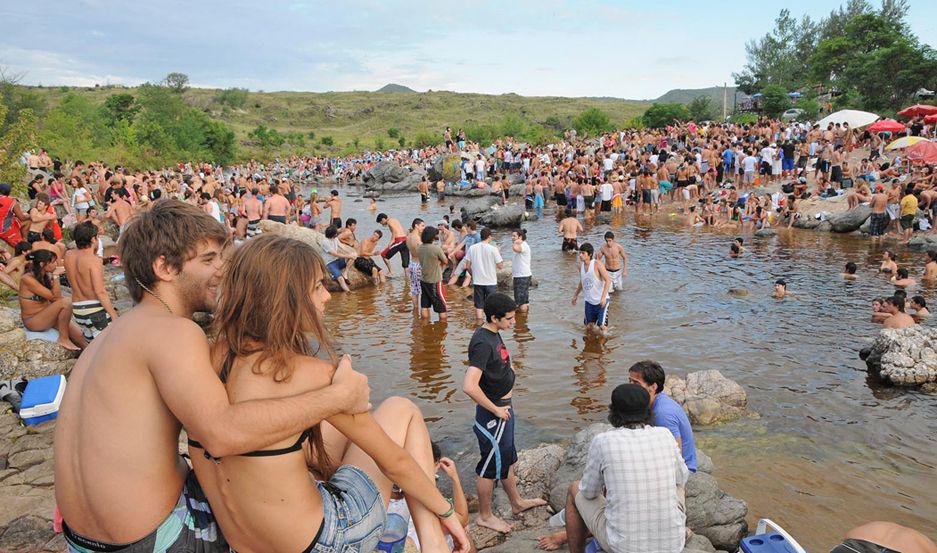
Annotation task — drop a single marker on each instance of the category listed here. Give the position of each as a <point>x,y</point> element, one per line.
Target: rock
<point>806,223</point>
<point>922,241</point>
<point>27,533</point>
<point>738,292</point>
<point>698,544</point>
<point>385,171</point>
<point>506,277</point>
<point>708,397</point>
<point>824,226</point>
<point>904,357</point>
<point>474,209</point>
<point>446,167</point>
<point>316,239</point>
<point>505,216</point>
<point>24,358</point>
<point>535,469</point>
<point>866,227</point>
<point>851,220</point>
<point>765,232</point>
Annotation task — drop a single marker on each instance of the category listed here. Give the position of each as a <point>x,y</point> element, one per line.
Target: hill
<point>394,88</point>
<point>686,95</point>
<point>358,120</point>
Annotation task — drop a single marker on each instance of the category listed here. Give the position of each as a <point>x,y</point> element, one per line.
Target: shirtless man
<point>118,477</point>
<point>254,210</point>
<point>91,304</point>
<point>894,306</point>
<point>414,270</point>
<point>366,250</point>
<point>569,229</point>
<point>398,239</point>
<point>859,195</point>
<point>120,211</point>
<point>780,289</point>
<point>901,278</point>
<point>930,269</point>
<point>39,217</point>
<point>878,221</point>
<point>424,190</point>
<point>276,206</point>
<point>885,536</point>
<point>615,258</point>
<point>334,204</point>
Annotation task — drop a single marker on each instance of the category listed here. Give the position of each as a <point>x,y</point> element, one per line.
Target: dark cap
<point>630,403</point>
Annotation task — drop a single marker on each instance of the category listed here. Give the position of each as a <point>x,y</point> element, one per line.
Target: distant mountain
<point>395,88</point>
<point>686,95</point>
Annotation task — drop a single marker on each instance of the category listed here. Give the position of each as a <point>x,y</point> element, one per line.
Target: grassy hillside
<point>356,120</point>
<point>685,96</point>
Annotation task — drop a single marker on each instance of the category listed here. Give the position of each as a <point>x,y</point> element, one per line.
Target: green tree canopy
<point>177,82</point>
<point>661,115</point>
<point>774,100</point>
<point>592,121</point>
<point>701,109</point>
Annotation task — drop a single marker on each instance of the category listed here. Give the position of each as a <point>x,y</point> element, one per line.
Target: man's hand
<point>353,386</point>
<point>575,299</point>
<point>503,413</point>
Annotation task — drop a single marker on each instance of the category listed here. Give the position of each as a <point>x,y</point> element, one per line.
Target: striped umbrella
<point>905,141</point>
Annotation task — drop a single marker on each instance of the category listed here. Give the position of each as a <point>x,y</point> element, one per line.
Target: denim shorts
<point>353,513</point>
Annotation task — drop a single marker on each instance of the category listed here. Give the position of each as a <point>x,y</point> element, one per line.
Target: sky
<point>627,49</point>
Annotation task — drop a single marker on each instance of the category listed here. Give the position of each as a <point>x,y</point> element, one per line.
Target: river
<point>830,450</point>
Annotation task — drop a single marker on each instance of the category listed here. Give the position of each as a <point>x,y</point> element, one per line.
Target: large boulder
<point>851,220</point>
<point>385,171</point>
<point>447,167</point>
<point>506,277</point>
<point>904,357</point>
<point>503,216</point>
<point>410,183</point>
<point>922,241</point>
<point>708,397</point>
<point>315,239</point>
<point>22,358</point>
<point>474,209</point>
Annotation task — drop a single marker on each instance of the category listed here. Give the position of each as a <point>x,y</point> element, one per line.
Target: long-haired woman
<point>41,302</point>
<point>326,489</point>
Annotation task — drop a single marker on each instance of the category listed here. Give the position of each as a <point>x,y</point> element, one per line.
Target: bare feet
<point>68,344</point>
<point>552,542</point>
<point>494,523</point>
<point>525,504</point>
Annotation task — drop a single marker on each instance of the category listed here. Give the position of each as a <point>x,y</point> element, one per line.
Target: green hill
<point>686,95</point>
<point>394,88</point>
<point>358,120</point>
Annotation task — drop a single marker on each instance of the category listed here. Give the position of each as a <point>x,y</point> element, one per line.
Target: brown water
<point>830,449</point>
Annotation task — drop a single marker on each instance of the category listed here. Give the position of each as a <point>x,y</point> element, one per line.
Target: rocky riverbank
<point>904,357</point>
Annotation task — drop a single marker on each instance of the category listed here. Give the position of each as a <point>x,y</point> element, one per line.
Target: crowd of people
<point>283,444</point>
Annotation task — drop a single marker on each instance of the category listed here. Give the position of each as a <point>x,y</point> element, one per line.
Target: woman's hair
<point>264,307</point>
<point>37,259</point>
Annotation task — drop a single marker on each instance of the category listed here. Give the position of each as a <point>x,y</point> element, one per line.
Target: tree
<point>119,107</point>
<point>177,82</point>
<point>701,109</point>
<point>327,141</point>
<point>661,115</point>
<point>401,141</point>
<point>16,139</point>
<point>810,107</point>
<point>393,132</point>
<point>592,121</point>
<point>781,56</point>
<point>774,100</point>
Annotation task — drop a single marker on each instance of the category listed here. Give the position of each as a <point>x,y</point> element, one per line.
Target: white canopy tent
<point>855,118</point>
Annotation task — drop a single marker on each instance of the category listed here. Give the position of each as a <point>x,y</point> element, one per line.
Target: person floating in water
<point>780,289</point>
<point>849,272</point>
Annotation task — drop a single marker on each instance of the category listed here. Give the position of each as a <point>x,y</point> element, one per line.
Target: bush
<point>233,97</point>
<point>393,132</point>
<point>811,108</point>
<point>553,122</point>
<point>402,142</point>
<point>327,141</point>
<point>379,143</point>
<point>177,82</point>
<point>701,109</point>
<point>634,123</point>
<point>424,139</point>
<point>661,115</point>
<point>744,118</point>
<point>593,121</point>
<point>311,135</point>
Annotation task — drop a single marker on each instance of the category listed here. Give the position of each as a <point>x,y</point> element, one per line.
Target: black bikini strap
<point>282,451</point>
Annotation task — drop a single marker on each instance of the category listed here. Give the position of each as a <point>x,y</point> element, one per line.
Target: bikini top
<point>225,371</point>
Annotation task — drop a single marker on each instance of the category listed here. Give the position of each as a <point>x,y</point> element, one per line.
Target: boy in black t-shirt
<point>489,381</point>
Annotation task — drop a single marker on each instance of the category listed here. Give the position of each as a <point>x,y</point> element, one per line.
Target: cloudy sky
<point>627,49</point>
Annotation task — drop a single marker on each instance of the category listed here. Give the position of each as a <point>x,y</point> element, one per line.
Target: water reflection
<point>429,364</point>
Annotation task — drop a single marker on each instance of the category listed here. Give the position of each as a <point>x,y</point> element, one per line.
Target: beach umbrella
<point>931,118</point>
<point>918,110</point>
<point>887,125</point>
<point>904,142</point>
<point>854,117</point>
<point>924,151</point>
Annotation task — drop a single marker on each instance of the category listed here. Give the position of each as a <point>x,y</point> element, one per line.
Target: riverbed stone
<point>904,357</point>
<point>446,167</point>
<point>22,358</point>
<point>708,397</point>
<point>315,239</point>
<point>738,292</point>
<point>765,233</point>
<point>851,220</point>
<point>384,172</point>
<point>503,216</point>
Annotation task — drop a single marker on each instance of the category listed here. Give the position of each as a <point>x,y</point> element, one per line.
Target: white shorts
<point>892,211</point>
<point>616,280</point>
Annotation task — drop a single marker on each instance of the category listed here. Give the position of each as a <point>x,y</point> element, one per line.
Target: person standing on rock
<point>119,481</point>
<point>627,497</point>
<point>91,305</point>
<point>489,381</point>
<point>398,243</point>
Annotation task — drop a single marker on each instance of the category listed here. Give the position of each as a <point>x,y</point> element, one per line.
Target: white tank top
<point>591,284</point>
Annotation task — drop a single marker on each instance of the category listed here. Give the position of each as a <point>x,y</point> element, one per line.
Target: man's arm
<point>592,483</point>
<point>97,277</point>
<point>197,397</point>
<point>471,388</point>
<point>606,281</point>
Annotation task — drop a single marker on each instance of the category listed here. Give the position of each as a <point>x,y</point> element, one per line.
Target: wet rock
<point>765,232</point>
<point>849,221</point>
<point>922,241</point>
<point>506,278</point>
<point>806,223</point>
<point>474,209</point>
<point>824,226</point>
<point>315,239</point>
<point>708,397</point>
<point>469,192</point>
<point>385,171</point>
<point>904,357</point>
<point>738,292</point>
<point>503,216</point>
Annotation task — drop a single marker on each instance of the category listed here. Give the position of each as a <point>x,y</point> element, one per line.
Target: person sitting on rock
<point>658,525</point>
<point>41,301</point>
<point>898,318</point>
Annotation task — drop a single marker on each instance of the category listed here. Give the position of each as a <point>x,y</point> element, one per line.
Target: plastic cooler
<point>42,398</point>
<point>764,541</point>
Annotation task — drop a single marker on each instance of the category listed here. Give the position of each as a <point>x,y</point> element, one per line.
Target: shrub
<point>233,97</point>
<point>661,115</point>
<point>592,121</point>
<point>327,141</point>
<point>393,132</point>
